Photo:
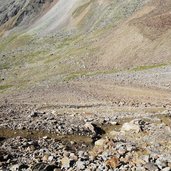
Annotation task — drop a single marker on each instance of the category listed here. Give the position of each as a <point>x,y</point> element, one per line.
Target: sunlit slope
<point>72,39</point>
<point>144,39</point>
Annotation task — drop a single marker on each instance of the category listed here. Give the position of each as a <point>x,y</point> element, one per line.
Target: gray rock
<point>161,163</point>
<point>33,114</point>
<point>81,154</point>
<point>65,162</point>
<point>105,155</point>
<point>100,142</point>
<point>166,169</point>
<point>89,126</point>
<point>50,158</point>
<point>146,158</point>
<point>130,147</point>
<point>122,151</point>
<point>131,126</point>
<point>14,167</point>
<point>73,156</point>
<point>151,167</point>
<point>80,165</point>
<point>43,167</point>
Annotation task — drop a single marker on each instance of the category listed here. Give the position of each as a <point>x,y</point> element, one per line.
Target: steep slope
<point>52,15</point>
<point>55,19</point>
<point>84,38</point>
<point>22,13</point>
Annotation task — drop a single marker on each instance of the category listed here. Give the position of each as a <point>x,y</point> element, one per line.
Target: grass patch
<point>51,58</point>
<point>21,40</point>
<point>146,67</point>
<point>34,57</point>
<point>14,41</point>
<point>80,74</point>
<point>5,42</point>
<point>69,41</point>
<point>4,87</point>
<point>4,66</point>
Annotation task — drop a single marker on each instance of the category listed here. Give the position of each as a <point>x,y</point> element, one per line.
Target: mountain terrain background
<point>85,51</point>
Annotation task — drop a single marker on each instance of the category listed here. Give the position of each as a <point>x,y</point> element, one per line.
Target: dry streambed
<point>42,141</point>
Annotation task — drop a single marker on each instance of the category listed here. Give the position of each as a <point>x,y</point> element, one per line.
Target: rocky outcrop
<point>22,12</point>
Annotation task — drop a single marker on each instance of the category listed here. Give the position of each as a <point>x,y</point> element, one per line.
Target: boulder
<point>89,126</point>
<point>100,142</point>
<point>131,126</point>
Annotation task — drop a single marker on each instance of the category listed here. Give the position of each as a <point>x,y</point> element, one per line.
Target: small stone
<point>6,157</point>
<point>89,126</point>
<point>113,162</point>
<point>73,156</point>
<point>33,114</point>
<point>45,158</point>
<point>130,127</point>
<point>81,154</point>
<point>130,147</point>
<point>161,163</point>
<point>100,142</point>
<point>121,151</point>
<point>14,167</point>
<point>105,155</point>
<point>66,153</point>
<point>80,165</point>
<point>53,112</point>
<point>87,169</point>
<point>55,169</point>
<point>50,158</point>
<point>106,120</point>
<point>166,169</point>
<point>45,137</point>
<point>151,167</point>
<point>146,158</point>
<point>114,123</point>
<point>65,162</point>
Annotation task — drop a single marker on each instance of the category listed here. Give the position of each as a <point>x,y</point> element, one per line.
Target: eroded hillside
<point>62,40</point>
<point>85,85</point>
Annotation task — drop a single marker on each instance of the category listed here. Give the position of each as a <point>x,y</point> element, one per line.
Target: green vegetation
<point>4,43</point>
<point>14,41</point>
<point>69,56</point>
<point>4,66</point>
<point>80,74</point>
<point>141,68</point>
<point>22,40</point>
<point>4,87</point>
<point>51,59</point>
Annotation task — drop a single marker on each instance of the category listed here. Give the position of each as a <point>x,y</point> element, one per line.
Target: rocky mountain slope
<point>50,39</point>
<point>85,85</point>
